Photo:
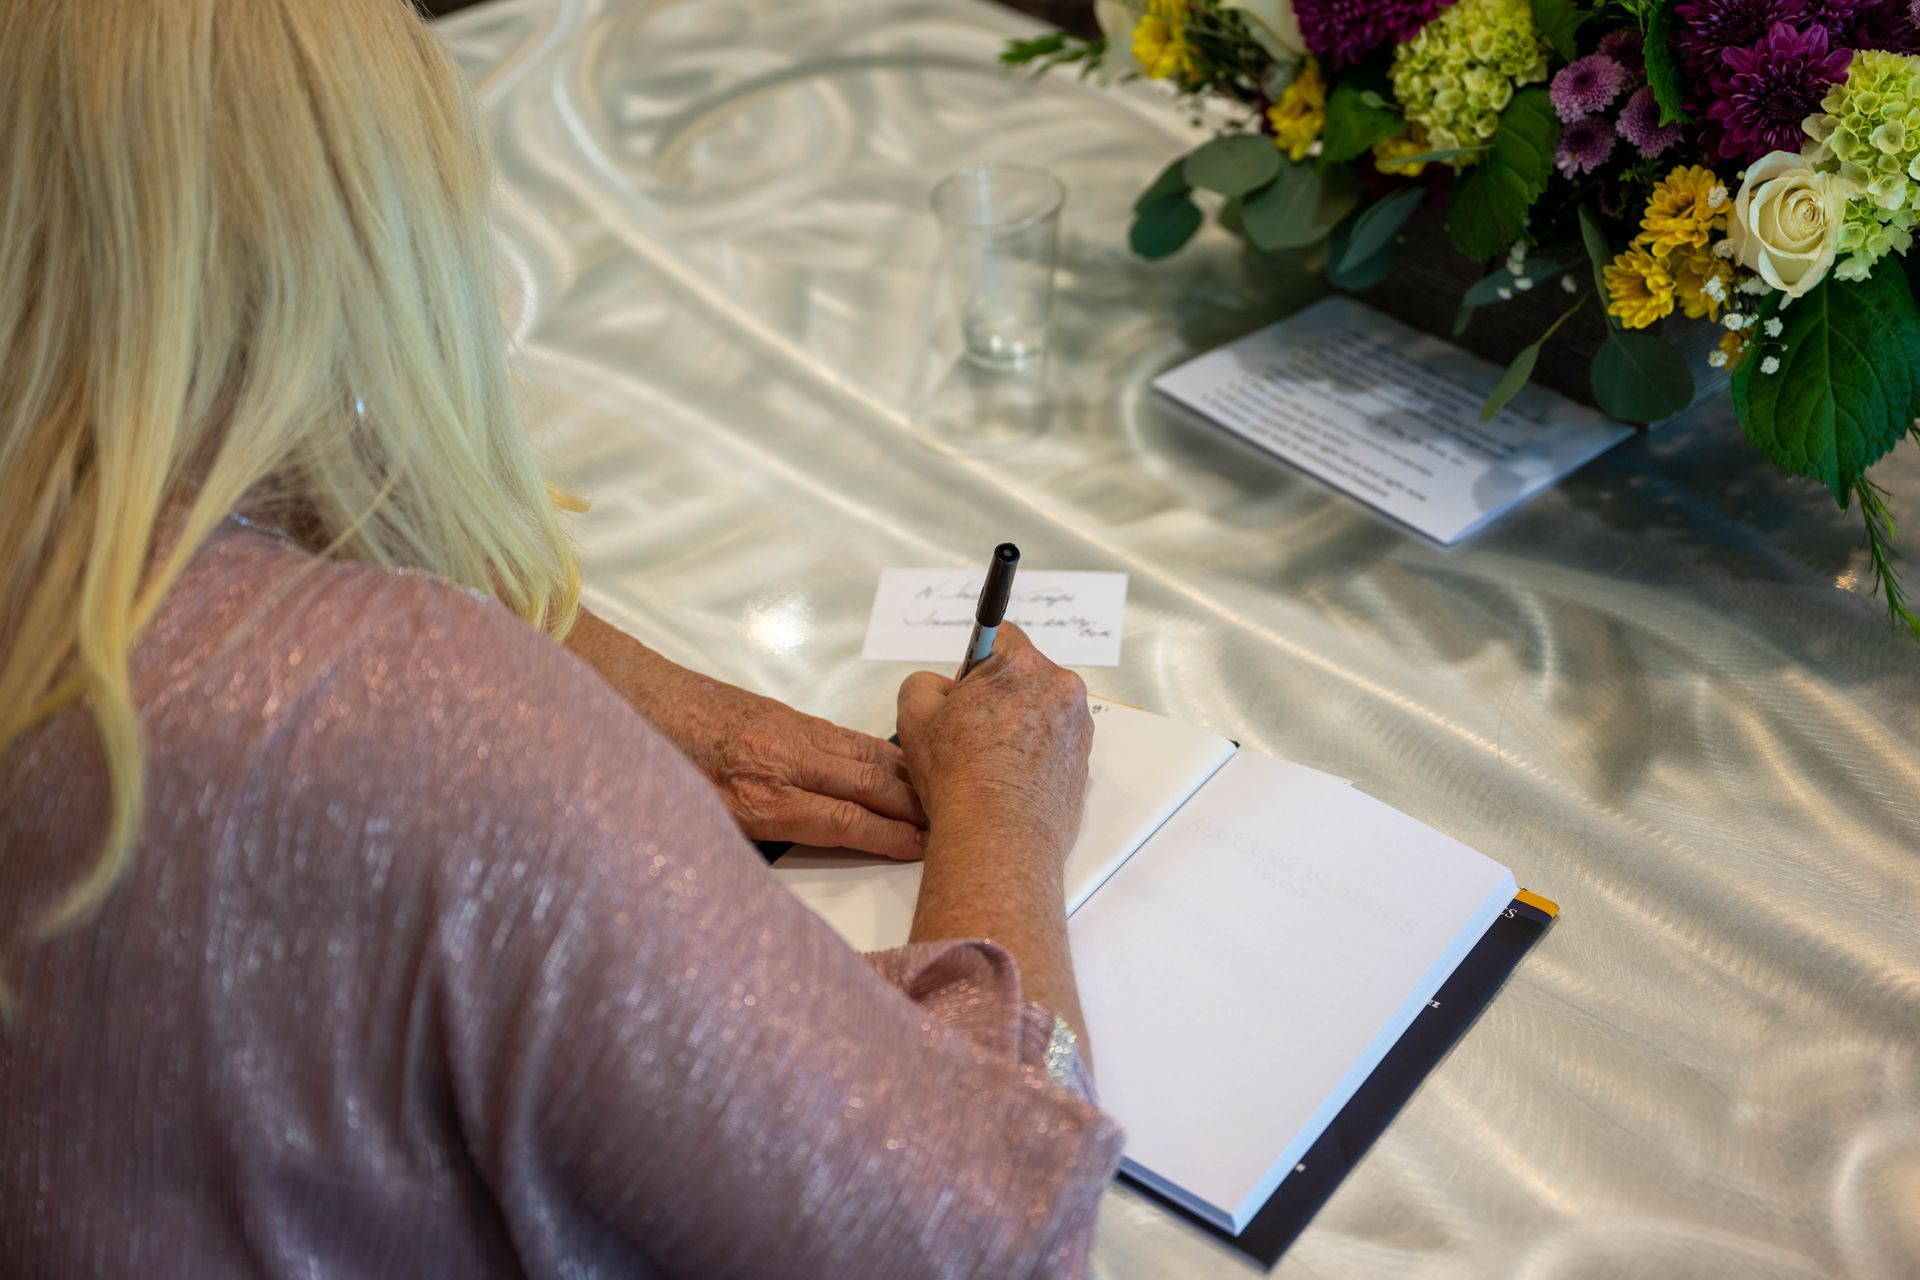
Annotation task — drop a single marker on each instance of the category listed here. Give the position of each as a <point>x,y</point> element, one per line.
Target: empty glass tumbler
<point>1002,229</point>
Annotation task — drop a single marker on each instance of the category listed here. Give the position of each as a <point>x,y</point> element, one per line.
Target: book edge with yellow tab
<point>1420,1049</point>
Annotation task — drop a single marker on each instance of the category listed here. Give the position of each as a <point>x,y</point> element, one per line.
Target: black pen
<point>992,609</point>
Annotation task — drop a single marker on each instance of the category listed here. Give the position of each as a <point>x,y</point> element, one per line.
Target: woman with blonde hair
<point>367,907</point>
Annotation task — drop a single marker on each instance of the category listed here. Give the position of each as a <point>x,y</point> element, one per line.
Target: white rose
<point>1274,25</point>
<point>1117,19</point>
<point>1786,221</point>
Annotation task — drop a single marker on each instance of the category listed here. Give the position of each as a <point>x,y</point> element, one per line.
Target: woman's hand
<point>1006,746</point>
<point>783,775</point>
<point>789,776</point>
<point>1000,760</point>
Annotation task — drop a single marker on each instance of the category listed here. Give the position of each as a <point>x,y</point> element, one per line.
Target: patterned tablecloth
<point>1658,692</point>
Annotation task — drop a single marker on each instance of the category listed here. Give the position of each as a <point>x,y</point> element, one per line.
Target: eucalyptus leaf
<point>1638,377</point>
<point>1663,67</point>
<point>1298,208</point>
<point>1490,202</point>
<point>1512,380</point>
<point>1432,157</point>
<point>1165,226</point>
<point>1559,21</point>
<point>1233,215</point>
<point>1600,253</point>
<point>1234,165</point>
<point>1486,292</point>
<point>1356,119</point>
<point>1363,275</point>
<point>1521,369</point>
<point>1848,380</point>
<point>1382,221</point>
<point>1171,182</point>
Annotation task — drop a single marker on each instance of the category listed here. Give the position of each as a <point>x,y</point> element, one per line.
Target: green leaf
<point>1430,157</point>
<point>1234,165</point>
<point>1381,222</point>
<point>1363,275</point>
<point>1171,182</point>
<point>1300,207</point>
<point>1233,216</point>
<point>1848,381</point>
<point>1164,227</point>
<point>1522,368</point>
<point>1020,52</point>
<point>1486,292</point>
<point>1640,378</point>
<point>1490,202</point>
<point>1354,123</point>
<point>1600,253</point>
<point>1663,68</point>
<point>1559,21</point>
<point>1512,380</point>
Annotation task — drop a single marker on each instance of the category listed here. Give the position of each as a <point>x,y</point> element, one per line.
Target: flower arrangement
<point>1747,164</point>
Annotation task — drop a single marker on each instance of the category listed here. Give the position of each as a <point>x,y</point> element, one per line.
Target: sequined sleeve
<point>658,1053</point>
<point>434,959</point>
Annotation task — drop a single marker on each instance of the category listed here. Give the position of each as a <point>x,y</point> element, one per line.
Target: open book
<point>1252,938</point>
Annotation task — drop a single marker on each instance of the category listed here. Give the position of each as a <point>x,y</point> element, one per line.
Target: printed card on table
<point>926,615</point>
<point>1391,416</point>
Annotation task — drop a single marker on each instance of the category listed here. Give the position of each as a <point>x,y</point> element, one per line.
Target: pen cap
<point>999,585</point>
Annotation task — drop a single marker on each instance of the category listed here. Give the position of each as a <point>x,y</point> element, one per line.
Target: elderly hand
<point>1007,746</point>
<point>783,775</point>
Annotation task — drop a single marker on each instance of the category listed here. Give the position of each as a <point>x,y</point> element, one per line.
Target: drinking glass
<point>1001,223</point>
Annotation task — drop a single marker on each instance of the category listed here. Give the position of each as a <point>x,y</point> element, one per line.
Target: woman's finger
<point>830,737</point>
<point>807,818</point>
<point>860,781</point>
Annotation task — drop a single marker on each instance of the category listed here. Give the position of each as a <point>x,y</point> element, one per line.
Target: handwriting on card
<point>924,615</point>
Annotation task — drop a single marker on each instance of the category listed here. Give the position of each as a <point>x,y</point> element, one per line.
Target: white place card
<point>926,615</point>
<point>1391,416</point>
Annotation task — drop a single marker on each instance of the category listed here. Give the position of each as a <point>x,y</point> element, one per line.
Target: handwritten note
<point>1391,416</point>
<point>926,615</point>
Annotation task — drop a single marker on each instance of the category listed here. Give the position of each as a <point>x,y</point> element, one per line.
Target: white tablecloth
<point>1658,693</point>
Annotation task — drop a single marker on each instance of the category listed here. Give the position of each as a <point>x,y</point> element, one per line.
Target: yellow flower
<point>1639,287</point>
<point>1734,347</point>
<point>1301,113</point>
<point>1389,153</point>
<point>1695,272</point>
<point>1160,42</point>
<point>1686,208</point>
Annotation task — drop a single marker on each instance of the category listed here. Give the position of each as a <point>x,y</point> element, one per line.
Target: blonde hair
<point>225,222</point>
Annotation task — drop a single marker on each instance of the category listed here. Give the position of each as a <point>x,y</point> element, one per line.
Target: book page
<point>1391,416</point>
<point>1143,767</point>
<point>1251,964</point>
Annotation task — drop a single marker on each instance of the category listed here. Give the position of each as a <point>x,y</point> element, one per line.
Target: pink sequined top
<point>436,960</point>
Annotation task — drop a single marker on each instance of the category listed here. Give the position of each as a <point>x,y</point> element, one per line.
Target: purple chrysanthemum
<point>1587,85</point>
<point>1764,93</point>
<point>1640,125</point>
<point>1893,25</point>
<point>1835,17</point>
<point>1625,46</point>
<point>1702,28</point>
<point>1345,31</point>
<point>1584,146</point>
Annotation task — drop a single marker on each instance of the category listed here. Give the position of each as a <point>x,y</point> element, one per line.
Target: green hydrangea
<point>1459,73</point>
<point>1869,132</point>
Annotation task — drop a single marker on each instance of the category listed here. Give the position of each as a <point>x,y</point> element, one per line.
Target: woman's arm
<point>783,775</point>
<point>1001,760</point>
<point>660,1058</point>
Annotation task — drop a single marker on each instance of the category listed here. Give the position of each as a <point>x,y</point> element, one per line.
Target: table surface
<point>1658,692</point>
